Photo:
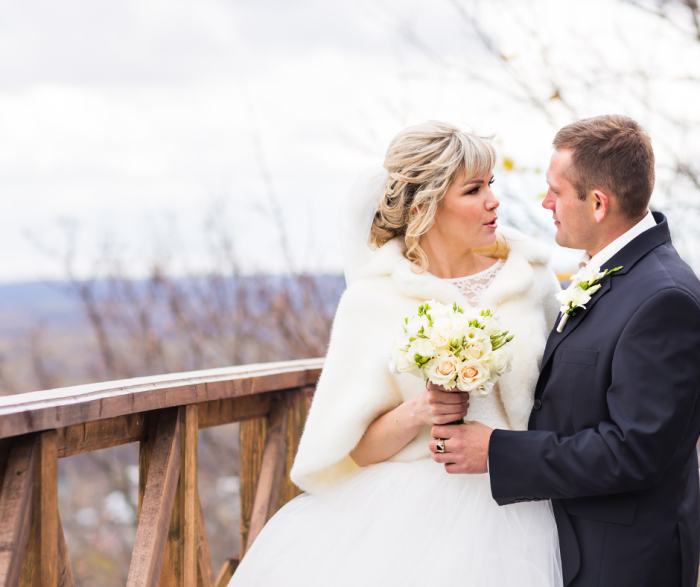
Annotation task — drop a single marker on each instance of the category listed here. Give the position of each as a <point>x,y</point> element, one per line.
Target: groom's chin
<point>564,240</point>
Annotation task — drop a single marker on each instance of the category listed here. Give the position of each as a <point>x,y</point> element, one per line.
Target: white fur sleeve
<point>551,304</point>
<point>354,389</point>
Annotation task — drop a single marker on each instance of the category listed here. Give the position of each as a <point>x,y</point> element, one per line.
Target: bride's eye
<point>474,191</point>
<point>493,180</point>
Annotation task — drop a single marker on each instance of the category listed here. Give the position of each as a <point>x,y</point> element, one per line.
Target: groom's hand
<point>466,447</point>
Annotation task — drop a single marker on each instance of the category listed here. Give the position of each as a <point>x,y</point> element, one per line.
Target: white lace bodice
<point>473,286</point>
<point>488,410</point>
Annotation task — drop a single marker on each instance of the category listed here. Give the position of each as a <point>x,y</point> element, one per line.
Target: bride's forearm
<point>387,435</point>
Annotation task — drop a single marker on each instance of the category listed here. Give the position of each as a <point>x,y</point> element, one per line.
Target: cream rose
<point>442,371</point>
<point>477,349</point>
<point>439,339</point>
<point>472,374</point>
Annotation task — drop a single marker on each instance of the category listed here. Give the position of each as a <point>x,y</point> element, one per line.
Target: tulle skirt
<point>405,524</point>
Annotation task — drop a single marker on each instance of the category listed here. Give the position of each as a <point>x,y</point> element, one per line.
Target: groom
<point>616,416</point>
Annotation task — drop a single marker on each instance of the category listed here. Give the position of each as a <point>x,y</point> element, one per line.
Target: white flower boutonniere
<point>583,285</point>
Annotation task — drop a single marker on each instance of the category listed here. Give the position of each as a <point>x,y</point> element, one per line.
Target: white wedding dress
<point>409,524</point>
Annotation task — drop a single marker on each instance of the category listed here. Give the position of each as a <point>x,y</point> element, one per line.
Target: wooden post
<point>16,508</point>
<point>180,556</point>
<point>226,572</point>
<point>297,418</point>
<point>65,570</point>
<point>40,568</point>
<point>158,500</point>
<point>205,573</point>
<point>189,498</point>
<point>272,468</point>
<point>252,442</point>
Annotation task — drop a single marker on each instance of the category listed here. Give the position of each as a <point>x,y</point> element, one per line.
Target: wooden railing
<point>162,414</point>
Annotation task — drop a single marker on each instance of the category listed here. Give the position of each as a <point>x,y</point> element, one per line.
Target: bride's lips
<point>492,224</point>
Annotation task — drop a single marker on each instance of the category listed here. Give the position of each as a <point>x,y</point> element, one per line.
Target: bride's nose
<point>492,203</point>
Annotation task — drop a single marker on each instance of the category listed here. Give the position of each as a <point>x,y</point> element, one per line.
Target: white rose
<point>414,325</point>
<point>438,310</point>
<point>422,347</point>
<point>442,323</point>
<point>401,362</point>
<point>471,375</point>
<point>491,325</point>
<point>484,389</point>
<point>442,371</point>
<point>500,362</point>
<point>440,339</point>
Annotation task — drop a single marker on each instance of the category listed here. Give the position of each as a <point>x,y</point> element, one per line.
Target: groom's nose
<point>548,202</point>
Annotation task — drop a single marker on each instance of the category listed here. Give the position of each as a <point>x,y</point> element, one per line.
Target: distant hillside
<point>23,305</point>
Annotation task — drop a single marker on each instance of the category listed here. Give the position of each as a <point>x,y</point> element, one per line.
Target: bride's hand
<point>437,406</point>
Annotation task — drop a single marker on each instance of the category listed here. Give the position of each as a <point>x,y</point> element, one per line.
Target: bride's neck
<point>449,263</point>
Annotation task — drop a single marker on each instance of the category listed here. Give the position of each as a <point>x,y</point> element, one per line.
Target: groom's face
<point>572,217</point>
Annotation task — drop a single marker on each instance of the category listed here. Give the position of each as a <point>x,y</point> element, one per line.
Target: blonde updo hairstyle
<point>422,162</point>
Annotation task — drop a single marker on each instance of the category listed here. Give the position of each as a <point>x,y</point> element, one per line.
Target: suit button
<point>538,404</point>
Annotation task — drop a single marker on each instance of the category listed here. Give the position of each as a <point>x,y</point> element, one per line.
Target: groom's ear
<point>601,205</point>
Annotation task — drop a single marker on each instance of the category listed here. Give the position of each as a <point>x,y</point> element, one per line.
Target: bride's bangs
<point>479,156</point>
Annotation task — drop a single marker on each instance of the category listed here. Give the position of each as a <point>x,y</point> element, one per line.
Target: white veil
<point>355,219</point>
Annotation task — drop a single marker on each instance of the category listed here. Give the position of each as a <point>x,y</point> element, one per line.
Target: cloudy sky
<point>133,122</point>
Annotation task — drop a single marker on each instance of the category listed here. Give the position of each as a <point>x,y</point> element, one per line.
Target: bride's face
<point>467,215</point>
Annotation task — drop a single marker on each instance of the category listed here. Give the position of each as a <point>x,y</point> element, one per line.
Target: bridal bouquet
<point>449,346</point>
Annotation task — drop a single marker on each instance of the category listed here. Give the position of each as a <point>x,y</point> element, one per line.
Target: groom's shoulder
<point>664,270</point>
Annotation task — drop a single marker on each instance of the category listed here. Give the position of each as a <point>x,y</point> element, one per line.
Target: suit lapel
<point>627,257</point>
<point>556,338</point>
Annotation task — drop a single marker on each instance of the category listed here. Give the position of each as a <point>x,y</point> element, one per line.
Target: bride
<point>377,510</point>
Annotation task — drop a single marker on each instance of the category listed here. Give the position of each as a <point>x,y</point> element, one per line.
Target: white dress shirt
<point>613,248</point>
<point>619,243</point>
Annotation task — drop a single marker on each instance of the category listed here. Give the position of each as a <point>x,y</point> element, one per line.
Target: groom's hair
<point>611,153</point>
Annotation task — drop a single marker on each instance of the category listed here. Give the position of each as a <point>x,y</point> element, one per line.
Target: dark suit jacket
<point>612,434</point>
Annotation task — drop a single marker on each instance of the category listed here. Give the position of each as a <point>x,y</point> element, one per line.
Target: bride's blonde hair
<point>422,162</point>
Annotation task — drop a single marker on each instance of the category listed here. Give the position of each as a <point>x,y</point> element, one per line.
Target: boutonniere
<point>583,285</point>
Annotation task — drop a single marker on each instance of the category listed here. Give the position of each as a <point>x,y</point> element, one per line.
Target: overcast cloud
<point>124,116</point>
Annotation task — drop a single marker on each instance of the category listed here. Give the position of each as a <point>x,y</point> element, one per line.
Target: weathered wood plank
<point>272,468</point>
<point>205,572</point>
<point>65,570</point>
<point>180,558</point>
<point>48,488</point>
<point>99,434</point>
<point>233,409</point>
<point>252,442</point>
<point>58,408</point>
<point>296,418</point>
<point>158,500</point>
<point>40,567</point>
<point>16,505</point>
<point>145,451</point>
<point>227,572</point>
<point>189,504</point>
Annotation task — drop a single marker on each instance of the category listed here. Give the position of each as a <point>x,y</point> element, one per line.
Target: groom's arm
<point>655,379</point>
